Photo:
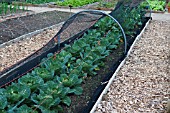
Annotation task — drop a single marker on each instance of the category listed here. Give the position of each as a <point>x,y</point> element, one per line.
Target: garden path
<point>45,9</point>
<point>143,83</point>
<point>161,16</point>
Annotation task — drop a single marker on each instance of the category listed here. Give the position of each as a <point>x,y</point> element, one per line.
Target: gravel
<point>143,83</point>
<point>19,50</point>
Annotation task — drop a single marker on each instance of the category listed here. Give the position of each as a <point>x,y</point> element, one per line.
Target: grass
<point>76,3</point>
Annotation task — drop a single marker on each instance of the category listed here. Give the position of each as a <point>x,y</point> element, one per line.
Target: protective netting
<point>50,76</point>
<point>123,10</point>
<point>80,23</point>
<point>28,22</point>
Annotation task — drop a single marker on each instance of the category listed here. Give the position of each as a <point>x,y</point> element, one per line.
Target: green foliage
<point>25,109</point>
<point>17,92</point>
<point>50,96</point>
<point>32,81</point>
<point>155,5</point>
<point>130,19</point>
<point>9,9</point>
<point>168,4</point>
<point>40,1</point>
<point>69,81</point>
<point>75,3</point>
<point>43,73</point>
<point>49,86</point>
<point>3,102</point>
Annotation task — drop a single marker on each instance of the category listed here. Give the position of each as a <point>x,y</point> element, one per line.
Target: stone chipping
<point>143,83</point>
<point>141,86</point>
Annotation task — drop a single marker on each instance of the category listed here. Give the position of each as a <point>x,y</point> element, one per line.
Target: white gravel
<point>19,50</point>
<point>143,83</point>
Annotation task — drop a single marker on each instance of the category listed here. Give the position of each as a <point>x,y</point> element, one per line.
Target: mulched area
<point>11,54</point>
<point>143,83</point>
<point>13,28</point>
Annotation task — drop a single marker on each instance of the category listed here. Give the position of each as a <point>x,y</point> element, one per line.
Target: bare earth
<point>143,83</point>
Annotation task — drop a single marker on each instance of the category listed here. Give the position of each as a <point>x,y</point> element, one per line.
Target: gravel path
<point>17,51</point>
<point>143,83</point>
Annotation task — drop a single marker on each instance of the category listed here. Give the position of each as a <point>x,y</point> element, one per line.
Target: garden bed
<point>93,86</point>
<point>96,44</point>
<point>15,15</point>
<point>155,6</point>
<point>106,5</point>
<point>24,46</point>
<point>13,28</point>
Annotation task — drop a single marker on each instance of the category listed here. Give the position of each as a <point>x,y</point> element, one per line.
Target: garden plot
<point>13,28</point>
<point>65,76</point>
<point>73,4</point>
<point>143,83</point>
<point>14,52</point>
<point>8,11</point>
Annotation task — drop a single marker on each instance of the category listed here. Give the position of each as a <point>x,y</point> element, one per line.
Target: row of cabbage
<point>48,87</point>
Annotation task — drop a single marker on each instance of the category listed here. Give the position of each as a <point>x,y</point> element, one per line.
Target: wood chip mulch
<point>19,50</point>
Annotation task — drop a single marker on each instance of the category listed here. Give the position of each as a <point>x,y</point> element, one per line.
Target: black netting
<point>128,3</point>
<point>79,23</point>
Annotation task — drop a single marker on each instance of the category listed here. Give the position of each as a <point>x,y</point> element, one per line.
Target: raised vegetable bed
<point>66,79</point>
<point>83,4</point>
<point>157,6</point>
<point>16,27</point>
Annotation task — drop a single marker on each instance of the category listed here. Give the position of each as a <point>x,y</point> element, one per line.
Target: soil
<point>93,85</point>
<point>79,103</point>
<point>13,28</point>
<point>18,11</point>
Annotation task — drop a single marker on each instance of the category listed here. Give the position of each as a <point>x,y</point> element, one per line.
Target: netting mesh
<point>13,28</point>
<point>128,3</point>
<point>77,24</point>
<point>87,41</point>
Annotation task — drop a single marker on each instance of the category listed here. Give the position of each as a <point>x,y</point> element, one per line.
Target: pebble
<point>143,84</point>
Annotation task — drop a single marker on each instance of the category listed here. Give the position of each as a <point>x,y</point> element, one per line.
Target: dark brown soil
<point>93,85</point>
<point>79,103</point>
<point>13,28</point>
